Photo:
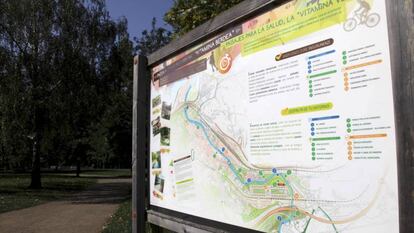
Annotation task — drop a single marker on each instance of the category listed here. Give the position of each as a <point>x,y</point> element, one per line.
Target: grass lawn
<point>121,220</point>
<point>115,173</point>
<point>14,193</point>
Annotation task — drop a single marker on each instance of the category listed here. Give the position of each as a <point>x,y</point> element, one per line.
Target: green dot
<point>313,144</point>
<point>310,95</point>
<point>310,90</point>
<point>344,57</point>
<point>344,62</point>
<point>313,158</point>
<point>310,86</point>
<point>310,81</point>
<point>349,130</point>
<point>289,172</point>
<point>313,153</point>
<point>349,125</point>
<point>344,52</point>
<point>348,120</point>
<point>260,172</point>
<point>313,149</point>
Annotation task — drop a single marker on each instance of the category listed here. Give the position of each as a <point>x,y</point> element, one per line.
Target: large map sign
<point>284,123</point>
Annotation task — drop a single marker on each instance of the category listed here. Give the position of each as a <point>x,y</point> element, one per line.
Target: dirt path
<point>86,212</point>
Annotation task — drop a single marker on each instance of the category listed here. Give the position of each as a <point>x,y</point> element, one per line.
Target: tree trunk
<point>36,178</point>
<point>78,166</point>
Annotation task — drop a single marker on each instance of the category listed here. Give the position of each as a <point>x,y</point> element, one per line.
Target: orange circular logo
<point>225,63</point>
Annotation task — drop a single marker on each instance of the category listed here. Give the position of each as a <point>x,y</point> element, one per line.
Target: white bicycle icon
<point>371,20</point>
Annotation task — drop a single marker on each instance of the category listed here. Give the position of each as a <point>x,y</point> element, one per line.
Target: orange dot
<point>346,79</point>
<point>350,157</point>
<point>349,143</point>
<point>346,88</point>
<point>349,153</point>
<point>346,74</point>
<point>349,147</point>
<point>296,196</point>
<point>346,84</point>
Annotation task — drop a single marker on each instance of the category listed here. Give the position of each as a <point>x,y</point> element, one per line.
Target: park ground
<point>97,201</point>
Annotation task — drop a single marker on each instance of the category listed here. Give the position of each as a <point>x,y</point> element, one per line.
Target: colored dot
<point>350,157</point>
<point>313,134</point>
<point>289,172</point>
<point>349,153</point>
<point>344,62</point>
<point>344,57</point>
<point>249,180</point>
<point>313,153</point>
<point>310,86</point>
<point>309,62</point>
<point>346,88</point>
<point>349,143</point>
<point>309,67</point>
<point>313,149</point>
<point>274,170</point>
<point>313,144</point>
<point>223,149</point>
<point>312,124</point>
<point>313,158</point>
<point>279,218</point>
<point>261,173</point>
<point>344,52</point>
<point>310,81</point>
<point>310,95</point>
<point>346,74</point>
<point>348,120</point>
<point>349,125</point>
<point>310,90</point>
<point>349,130</point>
<point>313,129</point>
<point>346,80</point>
<point>349,147</point>
<point>309,71</point>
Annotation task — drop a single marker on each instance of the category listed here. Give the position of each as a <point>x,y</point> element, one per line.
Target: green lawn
<point>14,193</point>
<point>121,220</point>
<point>116,173</point>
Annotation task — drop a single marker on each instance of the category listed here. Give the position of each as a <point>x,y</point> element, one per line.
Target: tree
<point>186,15</point>
<point>66,65</point>
<point>151,41</point>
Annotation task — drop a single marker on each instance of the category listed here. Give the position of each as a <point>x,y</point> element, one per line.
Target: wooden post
<point>140,143</point>
<point>401,31</point>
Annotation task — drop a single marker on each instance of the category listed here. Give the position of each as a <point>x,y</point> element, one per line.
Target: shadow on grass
<point>15,194</point>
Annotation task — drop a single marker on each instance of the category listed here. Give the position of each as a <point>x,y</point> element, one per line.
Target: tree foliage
<point>150,41</point>
<point>65,88</point>
<point>186,15</point>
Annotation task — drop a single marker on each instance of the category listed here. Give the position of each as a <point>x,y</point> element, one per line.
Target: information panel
<point>284,123</point>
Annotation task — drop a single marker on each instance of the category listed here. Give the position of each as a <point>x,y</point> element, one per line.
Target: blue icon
<point>274,170</point>
<point>313,129</point>
<point>309,62</point>
<point>279,218</point>
<point>249,180</point>
<point>310,71</point>
<point>313,124</point>
<point>313,134</point>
